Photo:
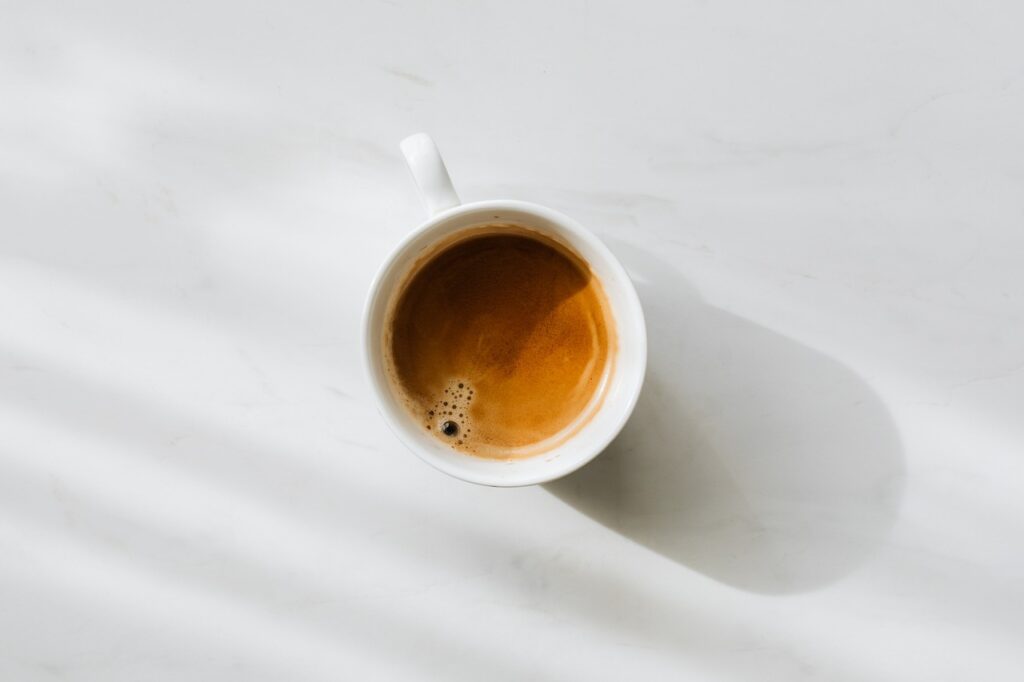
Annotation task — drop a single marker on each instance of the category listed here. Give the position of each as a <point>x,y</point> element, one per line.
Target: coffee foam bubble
<point>449,413</point>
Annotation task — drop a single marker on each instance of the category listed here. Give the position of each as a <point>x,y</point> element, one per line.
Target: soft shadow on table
<point>750,457</point>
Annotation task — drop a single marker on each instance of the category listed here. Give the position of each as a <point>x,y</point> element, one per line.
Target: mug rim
<point>558,467</point>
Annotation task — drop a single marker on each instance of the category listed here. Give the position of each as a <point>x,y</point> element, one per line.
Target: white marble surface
<point>823,208</point>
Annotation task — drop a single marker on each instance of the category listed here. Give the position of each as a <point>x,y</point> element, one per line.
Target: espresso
<point>500,343</point>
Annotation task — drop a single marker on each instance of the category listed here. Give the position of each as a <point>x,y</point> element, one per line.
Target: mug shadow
<point>750,458</point>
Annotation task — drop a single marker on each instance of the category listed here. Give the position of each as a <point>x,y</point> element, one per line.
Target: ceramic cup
<point>446,217</point>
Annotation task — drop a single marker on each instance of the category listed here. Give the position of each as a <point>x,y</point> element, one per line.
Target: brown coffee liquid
<point>500,343</point>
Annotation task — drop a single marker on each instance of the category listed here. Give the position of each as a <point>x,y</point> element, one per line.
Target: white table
<point>823,209</point>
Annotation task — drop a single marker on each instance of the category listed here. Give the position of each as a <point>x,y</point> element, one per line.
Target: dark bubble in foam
<point>459,395</point>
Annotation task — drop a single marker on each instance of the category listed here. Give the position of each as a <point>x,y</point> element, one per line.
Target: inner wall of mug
<point>622,381</point>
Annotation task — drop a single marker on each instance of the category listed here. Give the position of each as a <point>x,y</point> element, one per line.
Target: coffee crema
<point>500,342</point>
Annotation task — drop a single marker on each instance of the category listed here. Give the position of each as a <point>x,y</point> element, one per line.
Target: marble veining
<point>821,208</point>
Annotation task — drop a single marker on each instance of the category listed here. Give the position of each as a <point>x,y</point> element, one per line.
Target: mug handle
<point>429,173</point>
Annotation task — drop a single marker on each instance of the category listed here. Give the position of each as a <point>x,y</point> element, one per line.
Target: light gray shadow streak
<point>550,581</point>
<point>751,458</point>
<point>173,142</point>
<point>100,631</point>
<point>330,613</point>
<point>611,602</point>
<point>314,499</point>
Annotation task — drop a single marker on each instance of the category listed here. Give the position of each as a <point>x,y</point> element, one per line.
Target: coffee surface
<point>499,344</point>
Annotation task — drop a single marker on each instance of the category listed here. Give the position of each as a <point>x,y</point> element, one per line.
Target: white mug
<point>448,216</point>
